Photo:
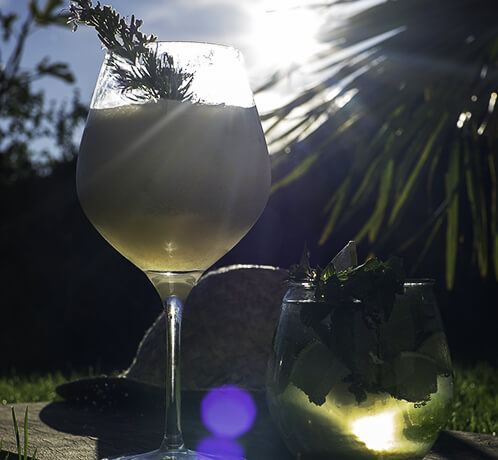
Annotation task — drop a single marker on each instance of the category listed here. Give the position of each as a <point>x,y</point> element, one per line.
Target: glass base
<point>183,454</point>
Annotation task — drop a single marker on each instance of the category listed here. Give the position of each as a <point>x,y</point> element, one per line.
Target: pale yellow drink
<point>172,185</point>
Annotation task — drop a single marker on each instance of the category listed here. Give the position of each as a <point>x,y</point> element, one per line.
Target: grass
<point>33,388</point>
<point>475,406</point>
<point>20,454</point>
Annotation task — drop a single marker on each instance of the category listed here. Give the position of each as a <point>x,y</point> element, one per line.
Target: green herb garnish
<point>139,71</point>
<point>303,271</point>
<point>349,319</point>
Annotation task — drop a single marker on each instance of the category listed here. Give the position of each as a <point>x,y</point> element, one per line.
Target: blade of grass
<point>1,450</point>
<point>16,431</point>
<point>26,434</point>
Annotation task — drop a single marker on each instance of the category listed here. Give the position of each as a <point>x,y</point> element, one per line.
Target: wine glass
<point>174,183</point>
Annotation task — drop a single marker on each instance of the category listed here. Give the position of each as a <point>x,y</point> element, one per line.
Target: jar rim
<point>407,282</point>
<point>419,282</point>
<point>302,283</point>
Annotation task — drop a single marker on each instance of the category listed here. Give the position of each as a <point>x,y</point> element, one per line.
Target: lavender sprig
<point>139,71</point>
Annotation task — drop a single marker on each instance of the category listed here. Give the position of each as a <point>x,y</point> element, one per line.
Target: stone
<point>228,323</point>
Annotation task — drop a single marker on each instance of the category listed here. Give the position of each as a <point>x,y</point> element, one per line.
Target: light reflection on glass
<point>376,431</point>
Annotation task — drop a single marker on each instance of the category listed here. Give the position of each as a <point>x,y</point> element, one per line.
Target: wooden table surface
<point>63,431</point>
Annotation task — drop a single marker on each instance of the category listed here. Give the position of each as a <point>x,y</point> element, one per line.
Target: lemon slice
<point>416,376</point>
<point>436,348</point>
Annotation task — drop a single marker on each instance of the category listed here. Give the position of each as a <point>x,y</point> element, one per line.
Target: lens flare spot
<point>222,448</point>
<point>228,411</point>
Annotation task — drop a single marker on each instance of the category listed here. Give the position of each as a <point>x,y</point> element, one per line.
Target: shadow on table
<point>126,417</point>
<point>453,446</point>
<point>4,455</point>
<point>123,431</point>
<point>132,422</point>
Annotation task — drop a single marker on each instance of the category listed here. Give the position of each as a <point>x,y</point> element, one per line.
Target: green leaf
<point>339,197</point>
<point>477,202</point>
<point>292,131</point>
<point>315,371</point>
<point>452,180</point>
<point>494,210</point>
<point>373,225</point>
<point>306,164</point>
<point>416,170</point>
<point>303,270</point>
<point>296,173</point>
<point>55,69</point>
<point>373,170</point>
<point>432,172</point>
<point>7,21</point>
<point>428,243</point>
<point>327,272</point>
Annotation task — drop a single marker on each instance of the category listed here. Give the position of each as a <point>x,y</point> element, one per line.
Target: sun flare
<point>285,32</point>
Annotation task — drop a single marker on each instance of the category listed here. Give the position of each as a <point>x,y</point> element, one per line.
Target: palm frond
<point>404,102</point>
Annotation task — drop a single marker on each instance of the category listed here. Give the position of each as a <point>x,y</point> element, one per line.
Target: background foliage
<point>26,118</point>
<point>406,114</point>
<point>393,144</point>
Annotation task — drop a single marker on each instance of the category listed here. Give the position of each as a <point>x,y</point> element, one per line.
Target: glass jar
<point>344,383</point>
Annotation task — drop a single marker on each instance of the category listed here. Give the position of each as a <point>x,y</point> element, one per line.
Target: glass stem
<point>173,438</point>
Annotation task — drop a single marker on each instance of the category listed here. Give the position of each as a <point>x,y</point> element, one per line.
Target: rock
<point>228,323</point>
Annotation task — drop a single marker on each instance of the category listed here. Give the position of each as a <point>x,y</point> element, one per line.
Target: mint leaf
<point>352,311</point>
<point>303,271</point>
<point>315,372</point>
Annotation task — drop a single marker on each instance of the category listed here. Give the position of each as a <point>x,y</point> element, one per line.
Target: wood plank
<point>62,431</point>
<point>51,443</point>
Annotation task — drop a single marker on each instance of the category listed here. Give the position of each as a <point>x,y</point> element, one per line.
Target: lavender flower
<point>143,70</point>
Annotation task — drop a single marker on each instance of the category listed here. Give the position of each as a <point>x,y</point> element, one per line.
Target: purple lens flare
<point>222,448</point>
<point>228,412</point>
